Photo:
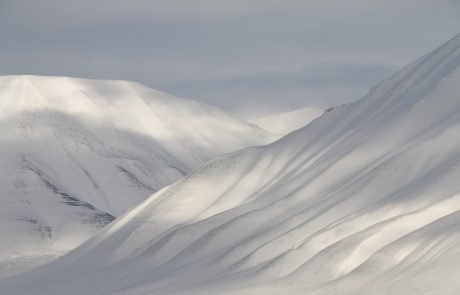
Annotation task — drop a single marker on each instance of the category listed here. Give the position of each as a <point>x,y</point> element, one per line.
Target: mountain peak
<point>75,153</point>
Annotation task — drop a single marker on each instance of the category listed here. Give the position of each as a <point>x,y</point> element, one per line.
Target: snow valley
<point>364,200</point>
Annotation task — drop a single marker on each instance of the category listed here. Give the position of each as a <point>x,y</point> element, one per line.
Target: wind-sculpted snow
<point>77,153</point>
<point>364,200</point>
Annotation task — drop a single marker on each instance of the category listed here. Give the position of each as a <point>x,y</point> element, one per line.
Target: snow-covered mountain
<point>284,123</point>
<point>364,200</point>
<point>77,153</point>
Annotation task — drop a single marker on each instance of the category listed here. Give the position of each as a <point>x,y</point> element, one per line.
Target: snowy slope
<point>284,123</point>
<point>77,153</point>
<point>364,200</point>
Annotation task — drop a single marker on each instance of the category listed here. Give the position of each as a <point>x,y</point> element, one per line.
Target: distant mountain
<point>364,200</point>
<point>285,123</point>
<point>77,153</point>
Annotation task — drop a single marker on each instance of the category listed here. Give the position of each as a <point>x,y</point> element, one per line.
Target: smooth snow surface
<point>285,123</point>
<point>76,153</point>
<point>364,200</point>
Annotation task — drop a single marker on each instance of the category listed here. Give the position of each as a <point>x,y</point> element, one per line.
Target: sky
<point>251,57</point>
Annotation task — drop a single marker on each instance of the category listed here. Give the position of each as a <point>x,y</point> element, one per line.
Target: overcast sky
<point>248,56</point>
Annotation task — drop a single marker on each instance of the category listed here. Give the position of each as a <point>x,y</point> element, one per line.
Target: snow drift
<point>76,153</point>
<point>364,200</point>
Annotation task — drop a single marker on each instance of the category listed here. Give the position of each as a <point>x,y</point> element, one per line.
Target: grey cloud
<point>316,76</point>
<point>319,85</point>
<point>229,53</point>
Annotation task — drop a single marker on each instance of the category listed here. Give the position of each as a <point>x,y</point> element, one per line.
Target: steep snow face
<point>284,123</point>
<point>364,200</point>
<point>77,153</point>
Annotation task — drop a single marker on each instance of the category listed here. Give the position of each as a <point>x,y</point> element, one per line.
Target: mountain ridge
<point>77,153</point>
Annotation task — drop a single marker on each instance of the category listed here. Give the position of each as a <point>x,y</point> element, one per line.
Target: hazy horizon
<point>249,57</point>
